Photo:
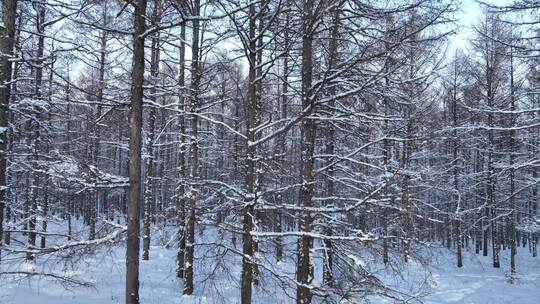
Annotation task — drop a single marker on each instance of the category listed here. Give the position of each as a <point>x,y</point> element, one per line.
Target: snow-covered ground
<point>477,282</point>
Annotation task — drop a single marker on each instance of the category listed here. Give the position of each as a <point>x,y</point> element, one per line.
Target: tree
<point>135,145</point>
<point>7,41</point>
<point>191,196</point>
<point>304,270</point>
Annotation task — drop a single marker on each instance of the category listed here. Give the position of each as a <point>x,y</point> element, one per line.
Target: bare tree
<point>135,145</point>
<point>7,41</point>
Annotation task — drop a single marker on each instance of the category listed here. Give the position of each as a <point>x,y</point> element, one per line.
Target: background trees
<point>314,134</point>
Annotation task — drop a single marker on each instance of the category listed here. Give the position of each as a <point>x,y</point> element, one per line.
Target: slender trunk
<point>281,144</point>
<point>478,230</point>
<point>406,198</point>
<point>35,141</point>
<point>27,194</point>
<point>7,38</point>
<point>329,148</point>
<point>386,153</point>
<point>533,203</point>
<point>456,163</point>
<point>304,270</point>
<point>91,200</point>
<point>257,115</point>
<point>485,235</point>
<point>491,181</point>
<point>181,207</point>
<point>46,188</point>
<point>70,204</point>
<point>7,235</point>
<point>248,211</point>
<point>148,187</point>
<point>95,131</point>
<point>513,215</point>
<point>30,255</point>
<point>485,216</point>
<point>135,143</point>
<point>193,154</point>
<point>70,209</point>
<point>149,180</point>
<point>459,245</point>
<point>45,213</point>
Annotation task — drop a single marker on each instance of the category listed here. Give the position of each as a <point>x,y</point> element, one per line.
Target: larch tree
<point>7,42</point>
<point>135,159</point>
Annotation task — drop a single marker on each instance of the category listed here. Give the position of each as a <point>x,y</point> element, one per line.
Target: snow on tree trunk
<point>304,267</point>
<point>7,39</point>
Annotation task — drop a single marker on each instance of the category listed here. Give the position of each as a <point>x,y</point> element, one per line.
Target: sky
<point>468,17</point>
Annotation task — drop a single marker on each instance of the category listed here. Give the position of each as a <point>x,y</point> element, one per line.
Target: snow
<point>106,272</point>
<point>476,283</point>
<point>479,282</point>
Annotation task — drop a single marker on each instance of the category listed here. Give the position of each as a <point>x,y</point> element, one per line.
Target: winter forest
<point>269,151</point>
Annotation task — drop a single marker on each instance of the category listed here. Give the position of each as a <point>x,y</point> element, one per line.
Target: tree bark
<point>304,268</point>
<point>248,211</point>
<point>193,154</point>
<point>7,39</point>
<point>149,182</point>
<point>35,137</point>
<point>95,131</point>
<point>45,213</point>
<point>181,207</point>
<point>329,148</point>
<point>455,165</point>
<point>135,143</point>
<point>513,215</point>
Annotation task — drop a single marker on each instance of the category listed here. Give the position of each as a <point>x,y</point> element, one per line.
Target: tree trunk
<point>46,188</point>
<point>181,207</point>
<point>45,213</point>
<point>304,268</point>
<point>513,215</point>
<point>491,180</point>
<point>7,38</point>
<point>70,209</point>
<point>35,137</point>
<point>193,154</point>
<point>95,131</point>
<point>329,148</point>
<point>32,214</point>
<point>248,211</point>
<point>148,187</point>
<point>455,162</point>
<point>135,143</point>
<point>149,180</point>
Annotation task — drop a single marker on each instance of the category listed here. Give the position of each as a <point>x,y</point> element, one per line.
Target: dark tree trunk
<point>34,129</point>
<point>193,154</point>
<point>7,38</point>
<point>329,148</point>
<point>149,180</point>
<point>95,130</point>
<point>455,165</point>
<point>304,268</point>
<point>513,215</point>
<point>281,140</point>
<point>248,211</point>
<point>135,143</point>
<point>181,207</point>
<point>45,213</point>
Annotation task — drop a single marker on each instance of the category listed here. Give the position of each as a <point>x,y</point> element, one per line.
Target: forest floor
<point>477,282</point>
